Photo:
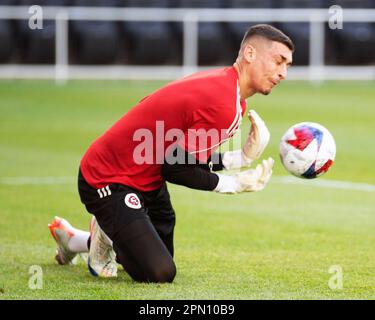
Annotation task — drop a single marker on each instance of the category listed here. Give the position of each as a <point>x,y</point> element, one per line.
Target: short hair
<point>268,32</point>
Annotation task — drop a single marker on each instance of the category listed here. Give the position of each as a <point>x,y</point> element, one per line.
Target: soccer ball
<point>307,150</point>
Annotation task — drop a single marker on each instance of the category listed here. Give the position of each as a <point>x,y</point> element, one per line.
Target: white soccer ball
<point>307,150</point>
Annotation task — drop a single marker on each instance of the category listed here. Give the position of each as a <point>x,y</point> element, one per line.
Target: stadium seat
<point>355,43</point>
<point>7,35</point>
<point>9,2</point>
<point>237,29</point>
<point>7,41</point>
<point>299,32</point>
<point>38,46</point>
<point>213,47</point>
<point>95,42</point>
<point>95,3</point>
<point>149,42</point>
<point>42,3</point>
<point>144,3</point>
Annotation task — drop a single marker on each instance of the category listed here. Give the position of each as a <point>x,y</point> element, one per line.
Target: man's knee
<point>161,273</point>
<point>164,273</point>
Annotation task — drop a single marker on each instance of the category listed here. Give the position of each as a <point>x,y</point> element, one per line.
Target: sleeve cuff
<point>235,160</point>
<point>226,184</point>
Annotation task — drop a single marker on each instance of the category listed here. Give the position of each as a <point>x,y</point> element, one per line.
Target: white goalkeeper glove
<point>256,142</point>
<point>246,181</point>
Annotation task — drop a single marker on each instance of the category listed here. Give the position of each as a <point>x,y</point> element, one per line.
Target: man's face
<point>269,66</point>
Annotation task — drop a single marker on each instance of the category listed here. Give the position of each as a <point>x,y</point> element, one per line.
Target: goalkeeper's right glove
<point>246,181</point>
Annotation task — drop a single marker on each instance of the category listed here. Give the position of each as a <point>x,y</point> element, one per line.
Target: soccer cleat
<point>62,232</point>
<point>102,258</point>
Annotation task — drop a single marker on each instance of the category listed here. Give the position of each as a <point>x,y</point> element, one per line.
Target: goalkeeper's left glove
<point>258,138</point>
<point>256,141</point>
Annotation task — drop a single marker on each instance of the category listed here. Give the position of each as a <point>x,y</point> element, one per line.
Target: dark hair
<point>269,32</point>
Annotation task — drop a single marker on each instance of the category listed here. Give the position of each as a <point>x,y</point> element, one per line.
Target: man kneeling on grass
<point>122,176</point>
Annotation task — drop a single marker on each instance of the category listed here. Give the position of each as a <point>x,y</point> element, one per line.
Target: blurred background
<point>187,35</point>
<point>276,244</point>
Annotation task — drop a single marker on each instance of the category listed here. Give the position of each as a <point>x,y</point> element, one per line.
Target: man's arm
<point>181,168</point>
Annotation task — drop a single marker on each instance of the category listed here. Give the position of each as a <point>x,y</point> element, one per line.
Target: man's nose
<point>282,73</point>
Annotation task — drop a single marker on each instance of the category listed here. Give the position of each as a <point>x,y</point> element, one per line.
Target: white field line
<point>37,181</point>
<point>321,183</point>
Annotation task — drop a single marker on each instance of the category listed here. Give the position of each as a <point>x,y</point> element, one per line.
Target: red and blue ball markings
<point>304,136</point>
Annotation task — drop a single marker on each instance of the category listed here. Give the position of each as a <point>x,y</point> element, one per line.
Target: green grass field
<point>275,244</point>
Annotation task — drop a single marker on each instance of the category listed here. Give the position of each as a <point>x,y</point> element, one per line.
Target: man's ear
<point>249,53</point>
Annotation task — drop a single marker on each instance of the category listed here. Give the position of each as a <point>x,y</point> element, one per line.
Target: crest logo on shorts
<point>132,201</point>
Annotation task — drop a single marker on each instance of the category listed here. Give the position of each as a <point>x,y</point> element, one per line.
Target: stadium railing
<point>61,71</point>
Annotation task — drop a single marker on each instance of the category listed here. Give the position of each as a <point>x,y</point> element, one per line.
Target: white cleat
<point>62,232</point>
<point>102,257</point>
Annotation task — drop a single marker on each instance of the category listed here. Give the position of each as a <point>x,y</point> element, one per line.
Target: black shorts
<point>140,224</point>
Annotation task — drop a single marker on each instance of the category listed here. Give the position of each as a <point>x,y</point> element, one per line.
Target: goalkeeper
<point>123,174</point>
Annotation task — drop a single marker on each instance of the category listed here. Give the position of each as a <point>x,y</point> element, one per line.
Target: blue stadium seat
<point>149,42</point>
